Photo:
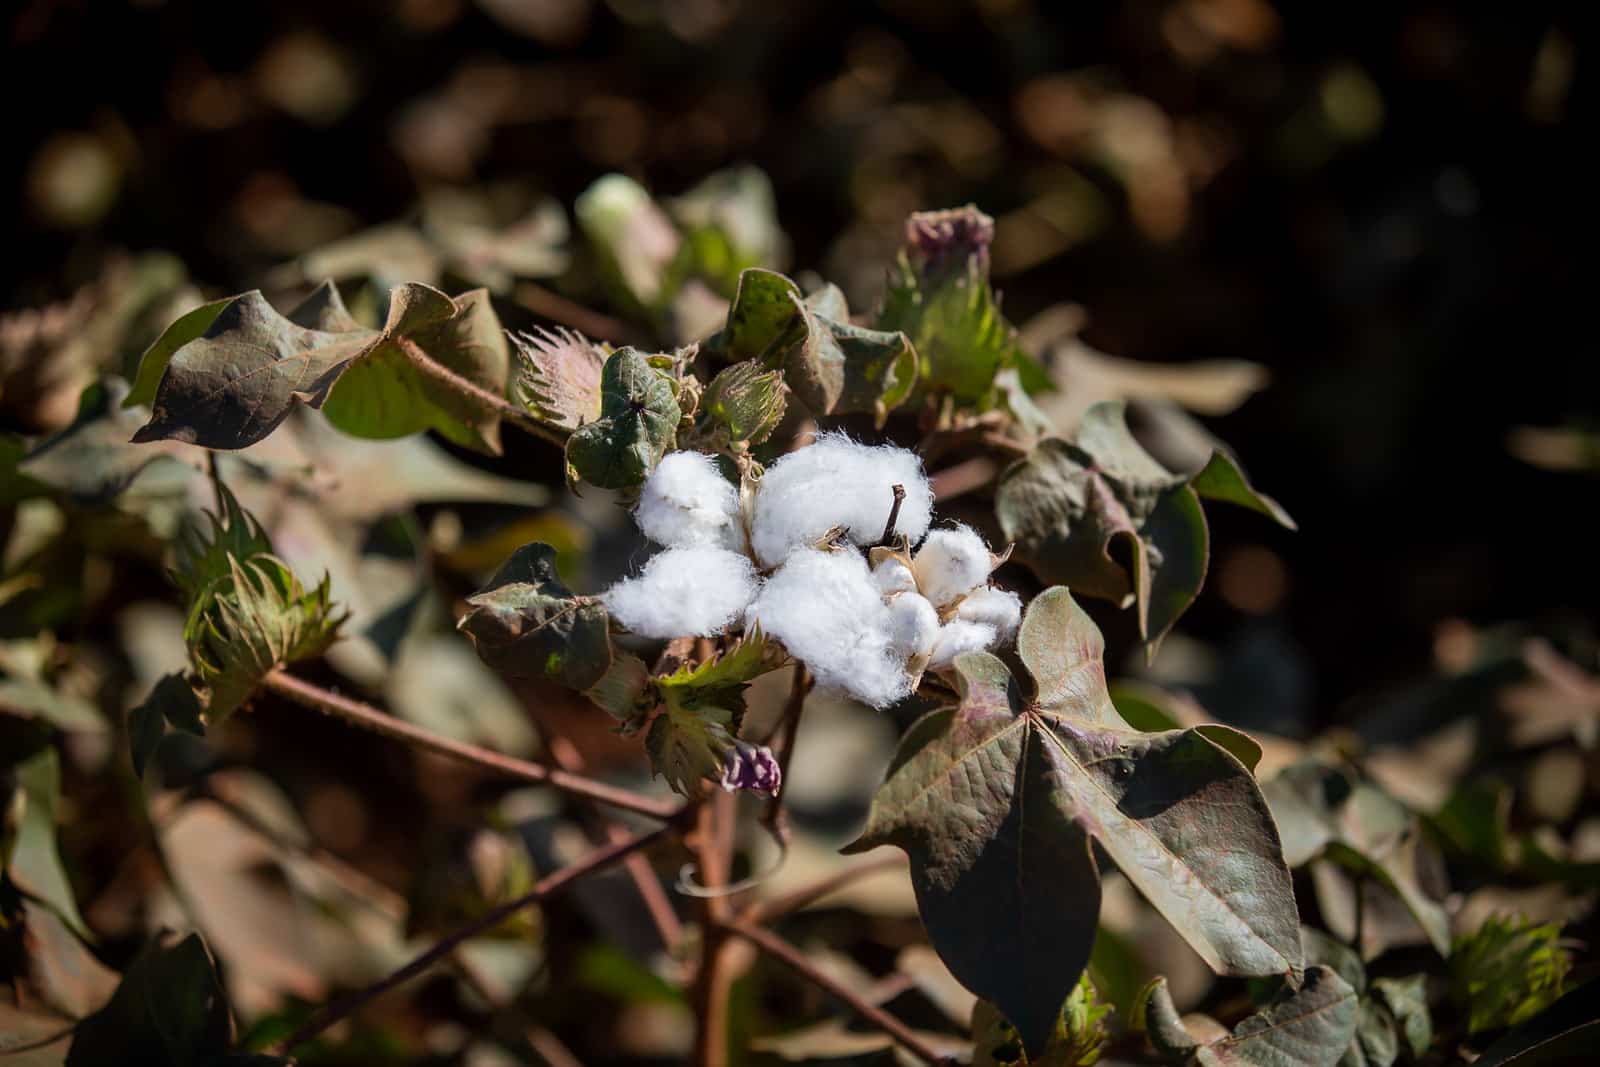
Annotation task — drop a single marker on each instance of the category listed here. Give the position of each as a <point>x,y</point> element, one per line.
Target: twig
<point>894,516</point>
<point>774,819</point>
<point>714,982</point>
<point>766,910</point>
<point>557,308</point>
<point>370,718</point>
<point>488,401</point>
<point>545,888</point>
<point>778,948</point>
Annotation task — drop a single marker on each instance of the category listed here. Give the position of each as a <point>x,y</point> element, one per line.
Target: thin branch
<point>714,982</point>
<point>488,401</point>
<point>776,822</point>
<point>766,910</point>
<point>557,308</point>
<point>545,888</point>
<point>894,516</point>
<point>779,949</point>
<point>370,718</point>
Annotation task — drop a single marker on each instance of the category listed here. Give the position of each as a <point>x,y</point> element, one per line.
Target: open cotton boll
<point>685,592</point>
<point>914,625</point>
<point>998,608</point>
<point>950,564</point>
<point>893,577</point>
<point>958,636</point>
<point>837,482</point>
<point>686,501</point>
<point>827,612</point>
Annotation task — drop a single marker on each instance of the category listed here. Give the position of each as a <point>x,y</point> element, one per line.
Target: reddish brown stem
<point>370,718</point>
<point>557,308</point>
<point>545,888</point>
<point>714,982</point>
<point>779,949</point>
<point>489,401</point>
<point>763,911</point>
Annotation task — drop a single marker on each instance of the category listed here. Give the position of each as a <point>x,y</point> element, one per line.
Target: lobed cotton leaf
<point>682,592</point>
<point>837,482</point>
<point>951,563</point>
<point>958,636</point>
<point>998,608</point>
<point>826,610</point>
<point>686,502</point>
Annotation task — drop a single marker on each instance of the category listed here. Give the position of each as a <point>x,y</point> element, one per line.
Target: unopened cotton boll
<point>998,608</point>
<point>837,482</point>
<point>685,592</point>
<point>914,625</point>
<point>958,636</point>
<point>826,610</point>
<point>893,577</point>
<point>950,564</point>
<point>687,502</point>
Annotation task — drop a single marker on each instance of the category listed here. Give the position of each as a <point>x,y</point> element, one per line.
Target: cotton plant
<point>818,557</point>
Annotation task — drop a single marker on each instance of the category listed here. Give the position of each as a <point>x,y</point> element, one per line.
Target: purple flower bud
<point>752,767</point>
<point>944,240</point>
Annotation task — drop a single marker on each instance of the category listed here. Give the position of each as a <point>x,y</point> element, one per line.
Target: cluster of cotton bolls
<point>866,620</point>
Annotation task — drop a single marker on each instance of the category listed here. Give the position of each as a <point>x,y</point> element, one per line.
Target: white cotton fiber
<point>914,626</point>
<point>998,608</point>
<point>687,502</point>
<point>950,564</point>
<point>685,592</point>
<point>826,610</point>
<point>892,577</point>
<point>837,482</point>
<point>958,636</point>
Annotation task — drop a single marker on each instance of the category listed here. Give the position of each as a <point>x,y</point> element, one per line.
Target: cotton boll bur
<point>827,612</point>
<point>958,636</point>
<point>998,608</point>
<point>837,482</point>
<point>685,592</point>
<point>687,502</point>
<point>950,564</point>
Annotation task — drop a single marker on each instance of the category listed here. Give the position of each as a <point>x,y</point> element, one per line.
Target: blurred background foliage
<point>1368,216</point>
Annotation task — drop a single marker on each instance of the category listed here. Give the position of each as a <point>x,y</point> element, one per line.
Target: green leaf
<point>1407,1000</point>
<point>626,691</point>
<point>939,296</point>
<point>1221,479</point>
<point>1079,1035</point>
<point>1322,809</point>
<point>638,425</point>
<point>1564,1033</point>
<point>633,240</point>
<point>730,220</point>
<point>834,367</point>
<point>1306,1027</point>
<point>203,554</point>
<point>1507,972</point>
<point>153,364</point>
<point>34,864</point>
<point>527,624</point>
<point>170,702</point>
<point>169,1009</point>
<point>745,403</point>
<point>1001,802</point>
<point>92,460</point>
<point>558,377</point>
<point>702,709</point>
<point>436,364</point>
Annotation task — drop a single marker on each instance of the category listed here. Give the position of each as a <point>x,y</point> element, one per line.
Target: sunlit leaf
<point>1563,1033</point>
<point>638,424</point>
<point>1506,972</point>
<point>702,707</point>
<point>1001,801</point>
<point>1307,1027</point>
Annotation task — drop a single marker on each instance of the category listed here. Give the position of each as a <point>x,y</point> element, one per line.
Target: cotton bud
<point>893,577</point>
<point>687,502</point>
<point>958,636</point>
<point>915,626</point>
<point>685,592</point>
<point>751,767</point>
<point>951,563</point>
<point>836,482</point>
<point>996,608</point>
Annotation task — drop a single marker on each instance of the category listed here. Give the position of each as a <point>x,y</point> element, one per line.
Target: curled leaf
<point>527,624</point>
<point>638,424</point>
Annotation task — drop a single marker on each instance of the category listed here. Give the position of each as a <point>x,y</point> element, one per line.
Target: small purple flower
<point>752,767</point>
<point>942,239</point>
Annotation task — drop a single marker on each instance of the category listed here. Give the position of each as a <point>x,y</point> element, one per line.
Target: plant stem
<point>557,308</point>
<point>545,888</point>
<point>894,515</point>
<point>488,401</point>
<point>714,982</point>
<point>778,948</point>
<point>774,819</point>
<point>763,911</point>
<point>370,718</point>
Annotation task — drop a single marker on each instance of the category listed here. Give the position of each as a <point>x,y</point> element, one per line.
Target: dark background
<point>1382,203</point>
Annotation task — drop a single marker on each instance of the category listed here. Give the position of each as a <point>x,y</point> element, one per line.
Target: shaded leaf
<point>1407,1000</point>
<point>1221,479</point>
<point>91,460</point>
<point>34,863</point>
<point>1079,1035</point>
<point>1563,1033</point>
<point>1306,1027</point>
<point>527,624</point>
<point>169,1009</point>
<point>638,424</point>
<point>558,376</point>
<point>233,384</point>
<point>170,702</point>
<point>1001,801</point>
<point>187,327</point>
<point>626,691</point>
